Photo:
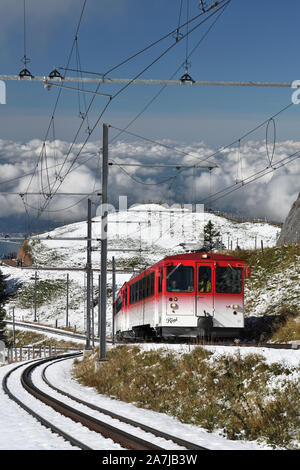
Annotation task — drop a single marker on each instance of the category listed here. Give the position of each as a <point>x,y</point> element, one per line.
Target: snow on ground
<point>16,425</point>
<point>21,431</point>
<point>160,231</point>
<point>157,229</point>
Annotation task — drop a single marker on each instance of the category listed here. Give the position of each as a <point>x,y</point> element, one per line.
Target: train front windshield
<point>228,280</point>
<point>180,278</point>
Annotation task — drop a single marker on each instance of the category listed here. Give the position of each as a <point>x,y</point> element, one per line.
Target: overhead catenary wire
<point>268,170</point>
<point>59,93</point>
<point>117,93</point>
<point>255,176</point>
<point>154,98</point>
<point>147,139</point>
<point>207,157</point>
<point>68,62</point>
<point>151,45</point>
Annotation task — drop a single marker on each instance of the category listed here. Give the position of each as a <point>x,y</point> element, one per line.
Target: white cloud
<point>270,196</point>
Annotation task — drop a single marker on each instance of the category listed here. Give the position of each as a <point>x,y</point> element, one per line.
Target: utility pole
<point>99,305</point>
<point>88,276</point>
<point>67,306</point>
<point>103,267</point>
<point>92,309</point>
<point>14,329</point>
<point>35,296</point>
<point>113,299</point>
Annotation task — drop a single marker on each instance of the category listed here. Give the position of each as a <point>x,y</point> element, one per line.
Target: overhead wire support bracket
<point>25,73</point>
<point>186,78</point>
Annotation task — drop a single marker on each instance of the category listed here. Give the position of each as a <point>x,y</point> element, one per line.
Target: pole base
<point>98,363</point>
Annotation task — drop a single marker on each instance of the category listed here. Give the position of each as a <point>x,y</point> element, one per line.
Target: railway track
<point>46,329</point>
<point>82,337</point>
<point>130,438</point>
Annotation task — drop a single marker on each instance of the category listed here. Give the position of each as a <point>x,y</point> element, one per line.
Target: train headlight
<point>235,306</point>
<point>173,305</point>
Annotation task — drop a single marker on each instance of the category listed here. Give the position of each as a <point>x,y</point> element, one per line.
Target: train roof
<point>198,256</point>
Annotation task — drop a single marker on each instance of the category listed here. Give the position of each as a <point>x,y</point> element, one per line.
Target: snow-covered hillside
<point>153,230</point>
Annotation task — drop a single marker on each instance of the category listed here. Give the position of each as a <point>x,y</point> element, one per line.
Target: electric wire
<point>120,91</point>
<point>136,54</point>
<point>171,77</point>
<point>60,90</point>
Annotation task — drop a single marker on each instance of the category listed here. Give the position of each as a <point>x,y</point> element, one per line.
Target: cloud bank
<point>268,197</point>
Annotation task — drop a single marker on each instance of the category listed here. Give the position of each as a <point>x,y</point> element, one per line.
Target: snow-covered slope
<point>153,230</point>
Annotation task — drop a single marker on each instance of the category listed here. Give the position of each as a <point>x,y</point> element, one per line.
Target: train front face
<point>204,297</point>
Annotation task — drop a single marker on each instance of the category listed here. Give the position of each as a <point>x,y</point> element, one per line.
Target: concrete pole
<point>103,268</point>
<point>88,277</point>
<point>113,298</point>
<point>67,306</point>
<point>35,296</point>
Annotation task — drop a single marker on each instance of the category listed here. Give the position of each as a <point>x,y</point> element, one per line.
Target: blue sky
<point>252,40</point>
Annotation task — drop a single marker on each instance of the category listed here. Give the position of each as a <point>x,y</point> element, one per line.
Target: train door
<point>229,308</point>
<point>204,302</point>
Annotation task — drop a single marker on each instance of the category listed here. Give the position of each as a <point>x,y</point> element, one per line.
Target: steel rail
<point>46,329</point>
<point>155,432</point>
<point>117,435</point>
<point>220,343</point>
<point>43,421</point>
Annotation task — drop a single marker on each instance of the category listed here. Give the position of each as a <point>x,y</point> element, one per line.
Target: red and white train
<point>189,295</point>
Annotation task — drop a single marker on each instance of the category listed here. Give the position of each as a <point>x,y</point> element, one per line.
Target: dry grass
<point>230,393</point>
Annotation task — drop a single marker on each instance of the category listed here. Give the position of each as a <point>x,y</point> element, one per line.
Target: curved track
<point>148,429</point>
<point>128,440</point>
<point>37,416</point>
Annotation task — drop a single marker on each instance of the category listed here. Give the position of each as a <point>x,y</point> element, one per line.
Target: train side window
<point>144,288</point>
<point>228,280</point>
<point>152,281</point>
<point>140,290</point>
<point>204,279</point>
<point>118,304</point>
<point>160,280</point>
<point>148,286</point>
<point>135,292</point>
